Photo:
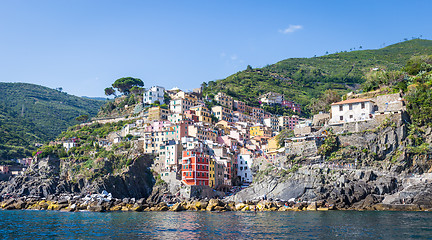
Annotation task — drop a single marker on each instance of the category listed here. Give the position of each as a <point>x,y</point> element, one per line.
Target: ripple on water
<point>208,225</point>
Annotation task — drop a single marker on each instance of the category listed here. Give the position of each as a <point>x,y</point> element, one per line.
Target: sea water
<point>212,225</point>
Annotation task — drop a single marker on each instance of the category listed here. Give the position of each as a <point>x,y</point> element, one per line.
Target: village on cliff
<point>218,147</point>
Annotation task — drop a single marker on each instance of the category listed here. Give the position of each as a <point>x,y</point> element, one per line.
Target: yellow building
<point>203,113</point>
<point>157,113</point>
<point>260,130</point>
<point>272,146</point>
<point>225,100</point>
<point>212,182</point>
<point>223,113</point>
<point>216,173</point>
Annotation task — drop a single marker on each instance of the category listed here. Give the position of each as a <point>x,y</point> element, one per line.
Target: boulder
<point>137,208</point>
<point>96,208</point>
<point>219,208</point>
<point>177,207</point>
<point>115,208</point>
<point>312,206</point>
<point>8,203</point>
<point>201,205</point>
<point>240,206</point>
<point>20,204</point>
<point>213,203</point>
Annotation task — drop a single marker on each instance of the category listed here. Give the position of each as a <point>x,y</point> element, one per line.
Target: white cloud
<point>234,57</point>
<point>222,55</point>
<point>291,29</point>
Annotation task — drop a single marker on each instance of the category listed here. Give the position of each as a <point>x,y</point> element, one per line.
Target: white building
<point>271,98</point>
<point>272,122</point>
<point>172,155</point>
<point>180,105</point>
<point>176,117</point>
<point>155,93</point>
<point>244,162</point>
<point>68,145</point>
<point>351,110</point>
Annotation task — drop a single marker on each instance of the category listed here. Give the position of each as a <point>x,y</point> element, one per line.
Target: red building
<point>195,168</point>
<point>191,115</point>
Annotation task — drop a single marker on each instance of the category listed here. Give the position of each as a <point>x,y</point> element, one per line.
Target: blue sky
<point>84,46</point>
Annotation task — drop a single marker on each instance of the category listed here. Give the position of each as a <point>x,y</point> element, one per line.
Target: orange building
<point>195,168</point>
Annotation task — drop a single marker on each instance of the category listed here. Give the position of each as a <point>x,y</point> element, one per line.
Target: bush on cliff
<point>330,145</point>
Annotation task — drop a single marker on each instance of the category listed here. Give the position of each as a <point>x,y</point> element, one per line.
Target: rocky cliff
<point>49,177</point>
<point>368,170</point>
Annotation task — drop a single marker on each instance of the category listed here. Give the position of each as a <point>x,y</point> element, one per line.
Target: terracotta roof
<point>354,100</point>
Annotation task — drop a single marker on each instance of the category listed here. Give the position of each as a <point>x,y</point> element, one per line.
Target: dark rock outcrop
<point>47,178</point>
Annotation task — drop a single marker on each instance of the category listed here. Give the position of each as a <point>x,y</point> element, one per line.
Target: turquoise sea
<point>209,225</point>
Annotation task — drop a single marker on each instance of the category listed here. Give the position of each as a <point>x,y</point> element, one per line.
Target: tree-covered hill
<point>305,79</point>
<point>32,114</point>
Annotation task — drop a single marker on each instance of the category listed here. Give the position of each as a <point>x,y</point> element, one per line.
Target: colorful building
<point>179,105</point>
<point>261,131</point>
<point>288,122</point>
<point>195,168</point>
<point>224,100</point>
<point>157,113</point>
<point>292,105</point>
<point>203,113</point>
<point>223,113</point>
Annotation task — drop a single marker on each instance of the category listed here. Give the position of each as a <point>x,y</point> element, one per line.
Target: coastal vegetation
<point>32,114</point>
<point>306,80</point>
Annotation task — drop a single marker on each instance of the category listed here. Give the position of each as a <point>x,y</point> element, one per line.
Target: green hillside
<point>32,114</point>
<point>303,79</point>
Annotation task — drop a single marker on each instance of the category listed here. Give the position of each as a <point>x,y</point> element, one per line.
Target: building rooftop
<point>355,100</point>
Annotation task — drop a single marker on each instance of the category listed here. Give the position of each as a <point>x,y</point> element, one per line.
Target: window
<point>350,106</point>
<point>351,116</point>
<point>362,105</point>
<point>341,118</point>
<point>340,107</point>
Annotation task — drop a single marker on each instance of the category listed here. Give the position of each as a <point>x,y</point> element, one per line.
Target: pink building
<point>292,105</point>
<point>157,126</point>
<point>228,141</point>
<point>4,169</point>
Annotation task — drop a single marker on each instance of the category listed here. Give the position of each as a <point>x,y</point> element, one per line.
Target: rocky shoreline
<point>98,203</point>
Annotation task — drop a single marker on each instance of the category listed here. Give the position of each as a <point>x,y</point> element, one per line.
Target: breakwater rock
<point>102,203</point>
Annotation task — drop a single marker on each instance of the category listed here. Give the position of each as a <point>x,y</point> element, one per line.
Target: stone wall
<point>355,126</point>
<point>305,148</point>
<point>320,119</point>
<point>302,131</point>
<point>389,103</point>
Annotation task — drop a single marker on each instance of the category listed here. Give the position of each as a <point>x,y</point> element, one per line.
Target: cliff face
<point>370,167</point>
<point>49,177</point>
